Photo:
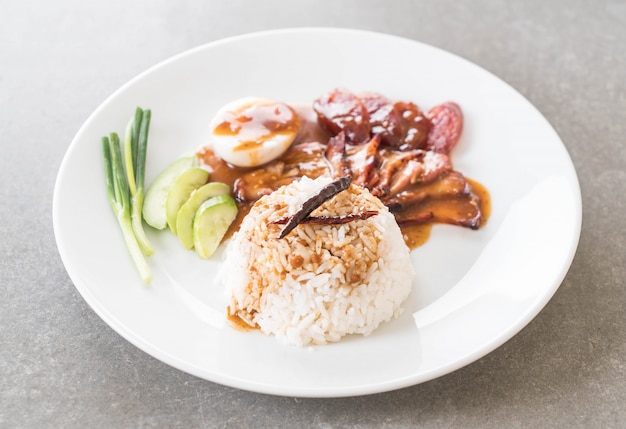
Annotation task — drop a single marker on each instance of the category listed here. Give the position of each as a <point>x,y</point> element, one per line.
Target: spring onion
<point>119,194</point>
<point>135,148</point>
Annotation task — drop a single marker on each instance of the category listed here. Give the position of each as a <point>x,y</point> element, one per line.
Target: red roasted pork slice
<point>335,153</point>
<point>364,160</point>
<point>304,159</point>
<point>450,185</point>
<point>341,110</point>
<point>402,169</point>
<point>462,211</point>
<point>415,126</point>
<point>385,120</point>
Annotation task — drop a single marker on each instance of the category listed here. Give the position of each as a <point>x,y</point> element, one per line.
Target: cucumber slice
<point>154,203</point>
<point>187,212</point>
<point>181,189</point>
<point>211,222</point>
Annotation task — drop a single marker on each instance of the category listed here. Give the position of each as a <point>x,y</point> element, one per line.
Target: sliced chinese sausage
<point>341,110</point>
<point>446,125</point>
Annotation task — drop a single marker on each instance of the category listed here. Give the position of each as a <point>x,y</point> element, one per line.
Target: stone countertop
<point>62,366</point>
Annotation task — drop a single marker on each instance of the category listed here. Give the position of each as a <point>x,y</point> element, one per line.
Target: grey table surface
<point>62,366</point>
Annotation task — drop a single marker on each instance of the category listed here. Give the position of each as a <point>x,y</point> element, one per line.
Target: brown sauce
<point>238,323</point>
<point>484,198</point>
<point>220,170</point>
<point>416,235</point>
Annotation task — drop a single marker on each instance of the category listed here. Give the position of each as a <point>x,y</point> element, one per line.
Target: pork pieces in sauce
<point>398,152</point>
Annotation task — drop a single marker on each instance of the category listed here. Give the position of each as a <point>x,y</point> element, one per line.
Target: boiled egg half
<point>252,131</point>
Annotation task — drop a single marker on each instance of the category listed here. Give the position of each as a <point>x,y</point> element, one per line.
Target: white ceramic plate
<point>475,289</point>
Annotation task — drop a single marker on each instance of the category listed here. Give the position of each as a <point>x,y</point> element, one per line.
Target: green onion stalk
<point>135,149</point>
<point>118,192</point>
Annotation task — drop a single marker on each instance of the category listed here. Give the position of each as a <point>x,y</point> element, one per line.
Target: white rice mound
<point>320,282</point>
